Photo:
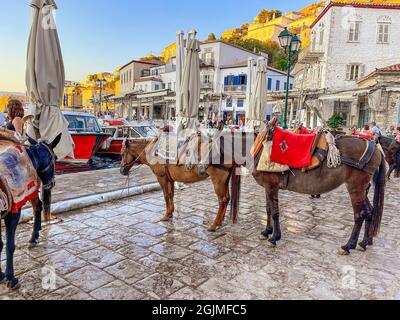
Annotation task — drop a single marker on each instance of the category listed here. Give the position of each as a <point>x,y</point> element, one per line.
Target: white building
<point>223,85</point>
<point>349,42</point>
<point>235,83</point>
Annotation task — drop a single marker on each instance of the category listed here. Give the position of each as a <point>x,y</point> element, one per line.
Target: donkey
<point>323,180</point>
<point>392,152</point>
<point>43,162</point>
<point>167,174</point>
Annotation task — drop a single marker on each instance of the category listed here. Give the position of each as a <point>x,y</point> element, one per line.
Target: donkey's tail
<point>235,192</point>
<point>379,198</point>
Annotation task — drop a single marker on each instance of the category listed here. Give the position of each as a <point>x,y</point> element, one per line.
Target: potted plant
<point>336,122</point>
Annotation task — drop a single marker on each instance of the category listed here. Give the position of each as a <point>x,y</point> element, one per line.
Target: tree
<point>277,56</point>
<point>336,121</point>
<point>265,15</point>
<point>211,37</point>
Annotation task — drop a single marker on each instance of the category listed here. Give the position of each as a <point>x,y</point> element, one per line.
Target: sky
<point>100,35</point>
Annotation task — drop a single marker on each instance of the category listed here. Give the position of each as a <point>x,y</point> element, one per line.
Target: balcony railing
<point>207,85</point>
<point>235,88</point>
<point>207,62</point>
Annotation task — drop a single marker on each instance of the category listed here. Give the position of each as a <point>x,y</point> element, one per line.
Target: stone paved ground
<point>71,186</point>
<point>122,251</point>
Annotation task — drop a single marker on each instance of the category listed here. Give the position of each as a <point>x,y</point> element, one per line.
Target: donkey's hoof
<point>166,218</point>
<point>13,284</point>
<point>262,237</point>
<point>271,243</point>
<point>33,244</point>
<point>344,252</point>
<point>213,228</point>
<point>361,248</point>
<point>2,278</point>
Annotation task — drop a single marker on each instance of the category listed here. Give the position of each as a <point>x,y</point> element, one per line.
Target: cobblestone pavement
<point>122,251</point>
<point>71,186</point>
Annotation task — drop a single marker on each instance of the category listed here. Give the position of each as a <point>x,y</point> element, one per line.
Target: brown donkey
<point>167,174</point>
<point>324,179</point>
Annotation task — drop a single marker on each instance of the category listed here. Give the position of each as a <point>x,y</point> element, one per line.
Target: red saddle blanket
<point>293,150</point>
<point>17,171</point>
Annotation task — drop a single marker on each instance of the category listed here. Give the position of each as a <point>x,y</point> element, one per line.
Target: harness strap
<point>362,164</point>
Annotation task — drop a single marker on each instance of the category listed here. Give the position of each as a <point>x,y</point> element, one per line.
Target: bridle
<point>131,163</point>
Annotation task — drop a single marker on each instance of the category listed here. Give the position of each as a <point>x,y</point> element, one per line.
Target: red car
<point>87,135</point>
<point>119,132</point>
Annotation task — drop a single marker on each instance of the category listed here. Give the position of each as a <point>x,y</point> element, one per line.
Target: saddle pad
<point>293,150</point>
<point>266,165</point>
<point>18,172</point>
<point>167,147</point>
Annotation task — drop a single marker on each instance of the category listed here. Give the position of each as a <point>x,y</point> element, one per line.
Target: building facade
<point>348,43</point>
<point>223,76</point>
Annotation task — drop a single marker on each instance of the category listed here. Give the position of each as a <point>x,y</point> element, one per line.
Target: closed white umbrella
<point>190,86</point>
<point>258,100</point>
<point>45,78</point>
<point>180,62</point>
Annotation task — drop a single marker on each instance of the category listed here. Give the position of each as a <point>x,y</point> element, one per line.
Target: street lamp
<point>100,83</point>
<point>291,43</point>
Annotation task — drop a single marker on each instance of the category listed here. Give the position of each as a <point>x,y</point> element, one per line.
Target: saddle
<point>19,180</point>
<point>292,150</point>
<point>181,151</point>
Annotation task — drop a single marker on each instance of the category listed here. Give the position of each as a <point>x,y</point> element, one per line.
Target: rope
<point>334,159</point>
<point>3,202</point>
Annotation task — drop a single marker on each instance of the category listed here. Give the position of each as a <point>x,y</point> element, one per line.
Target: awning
<point>339,96</point>
<point>153,94</point>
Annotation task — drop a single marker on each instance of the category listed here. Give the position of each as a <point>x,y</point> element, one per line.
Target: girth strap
<point>362,164</point>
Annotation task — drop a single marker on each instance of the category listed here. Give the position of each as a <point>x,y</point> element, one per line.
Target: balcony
<point>235,88</point>
<point>207,85</point>
<point>208,62</point>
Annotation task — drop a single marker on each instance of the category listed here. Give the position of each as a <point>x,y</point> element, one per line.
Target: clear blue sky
<point>100,35</point>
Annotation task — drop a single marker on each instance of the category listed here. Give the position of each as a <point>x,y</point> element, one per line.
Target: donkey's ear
<point>56,141</point>
<point>126,142</point>
<point>32,141</point>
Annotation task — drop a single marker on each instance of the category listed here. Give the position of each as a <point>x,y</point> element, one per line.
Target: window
<point>354,72</point>
<point>269,84</point>
<point>354,31</point>
<point>169,86</point>
<point>291,86</point>
<point>343,109</point>
<point>229,103</point>
<point>156,87</point>
<point>278,85</point>
<point>383,32</point>
<point>285,86</point>
<point>240,103</point>
<point>321,37</point>
<point>207,78</point>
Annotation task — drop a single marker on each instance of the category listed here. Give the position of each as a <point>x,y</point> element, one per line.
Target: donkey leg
<point>220,180</point>
<point>37,206</point>
<point>169,192</point>
<point>269,229</point>
<point>358,194</point>
<point>2,275</point>
<point>391,169</point>
<point>223,200</point>
<point>11,226</point>
<point>367,214</point>
<point>273,198</point>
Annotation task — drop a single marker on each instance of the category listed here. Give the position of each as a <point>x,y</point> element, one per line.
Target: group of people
<point>13,119</point>
<point>369,131</point>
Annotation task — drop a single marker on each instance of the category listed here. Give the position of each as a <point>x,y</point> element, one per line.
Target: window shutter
<point>226,81</point>
<point>348,72</point>
<point>362,71</point>
<point>386,34</point>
